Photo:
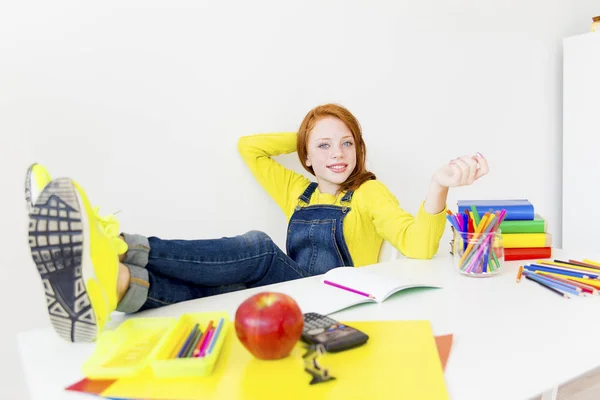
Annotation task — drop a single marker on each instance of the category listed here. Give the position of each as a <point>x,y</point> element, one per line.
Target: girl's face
<point>331,152</point>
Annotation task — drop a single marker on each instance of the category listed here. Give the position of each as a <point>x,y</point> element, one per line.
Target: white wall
<point>580,143</point>
<point>143,102</point>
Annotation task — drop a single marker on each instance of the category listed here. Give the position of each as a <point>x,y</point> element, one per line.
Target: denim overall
<point>315,236</point>
<point>171,271</point>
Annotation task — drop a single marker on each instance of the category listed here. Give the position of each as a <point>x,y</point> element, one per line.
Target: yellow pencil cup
<point>477,255</point>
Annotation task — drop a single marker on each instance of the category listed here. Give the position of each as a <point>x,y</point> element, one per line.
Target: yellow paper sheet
<point>400,361</point>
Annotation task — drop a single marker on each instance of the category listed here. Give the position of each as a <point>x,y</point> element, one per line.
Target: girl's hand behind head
<point>462,171</point>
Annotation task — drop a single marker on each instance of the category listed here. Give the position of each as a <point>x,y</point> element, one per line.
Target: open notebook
<point>329,298</point>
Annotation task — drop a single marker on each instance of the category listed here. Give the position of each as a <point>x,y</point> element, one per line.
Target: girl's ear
<point>308,162</point>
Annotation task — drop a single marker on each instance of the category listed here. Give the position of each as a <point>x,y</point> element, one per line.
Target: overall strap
<point>348,196</point>
<point>305,197</point>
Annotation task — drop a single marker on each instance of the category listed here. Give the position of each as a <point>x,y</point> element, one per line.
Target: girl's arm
<point>437,196</point>
<point>282,184</point>
<point>414,236</point>
<point>419,237</point>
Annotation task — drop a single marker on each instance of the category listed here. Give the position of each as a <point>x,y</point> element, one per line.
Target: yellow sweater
<point>375,213</point>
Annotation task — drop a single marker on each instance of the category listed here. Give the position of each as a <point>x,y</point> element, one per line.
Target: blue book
<point>515,209</point>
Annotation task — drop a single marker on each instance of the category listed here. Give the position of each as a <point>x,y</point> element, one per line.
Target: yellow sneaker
<point>76,261</point>
<point>38,177</point>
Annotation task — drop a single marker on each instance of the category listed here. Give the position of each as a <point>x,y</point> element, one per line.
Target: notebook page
<point>368,281</point>
<point>314,296</point>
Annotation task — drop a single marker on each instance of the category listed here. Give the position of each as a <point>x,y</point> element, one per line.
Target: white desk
<point>511,341</point>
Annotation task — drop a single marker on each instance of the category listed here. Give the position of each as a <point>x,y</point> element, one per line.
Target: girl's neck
<point>333,190</point>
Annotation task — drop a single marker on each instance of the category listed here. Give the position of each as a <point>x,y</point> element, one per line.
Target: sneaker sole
<point>28,203</point>
<point>56,241</point>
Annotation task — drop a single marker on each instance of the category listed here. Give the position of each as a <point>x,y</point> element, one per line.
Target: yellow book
<point>400,361</point>
<point>522,240</point>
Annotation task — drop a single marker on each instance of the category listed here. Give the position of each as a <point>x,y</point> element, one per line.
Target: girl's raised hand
<point>462,171</point>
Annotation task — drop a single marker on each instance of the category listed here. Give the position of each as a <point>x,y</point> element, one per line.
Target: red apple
<point>269,325</point>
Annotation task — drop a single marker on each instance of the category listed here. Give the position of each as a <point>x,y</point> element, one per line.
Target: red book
<point>527,253</point>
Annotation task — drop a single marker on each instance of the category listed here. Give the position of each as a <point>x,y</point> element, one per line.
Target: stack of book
<point>524,233</point>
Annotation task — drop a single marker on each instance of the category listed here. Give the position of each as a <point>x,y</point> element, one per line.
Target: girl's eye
<point>324,145</point>
<point>348,144</point>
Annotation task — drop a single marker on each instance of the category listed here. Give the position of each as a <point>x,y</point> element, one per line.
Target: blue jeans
<point>170,271</point>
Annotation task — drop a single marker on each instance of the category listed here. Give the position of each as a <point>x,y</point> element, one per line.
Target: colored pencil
<point>475,214</point>
<point>589,282</point>
<point>519,274</point>
<point>475,244</point>
<point>592,289</point>
<point>571,267</point>
<point>496,261</point>
<point>591,262</point>
<point>196,352</point>
<point>489,222</point>
<point>180,341</point>
<point>465,229</point>
<point>565,285</point>
<point>474,260</point>
<point>337,285</point>
<point>452,221</point>
<point>581,286</point>
<point>500,219</point>
<point>451,218</point>
<point>582,264</point>
<point>479,251</point>
<point>471,223</point>
<point>187,342</point>
<point>566,296</point>
<point>486,257</point>
<point>592,273</point>
<point>472,243</point>
<point>578,264</point>
<point>456,222</point>
<point>562,271</point>
<point>192,346</point>
<point>559,279</point>
<point>215,337</point>
<point>558,285</point>
<point>205,345</point>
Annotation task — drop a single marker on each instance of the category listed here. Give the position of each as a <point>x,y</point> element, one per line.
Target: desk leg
<point>550,394</point>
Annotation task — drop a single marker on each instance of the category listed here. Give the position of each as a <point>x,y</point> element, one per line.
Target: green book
<point>536,225</point>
